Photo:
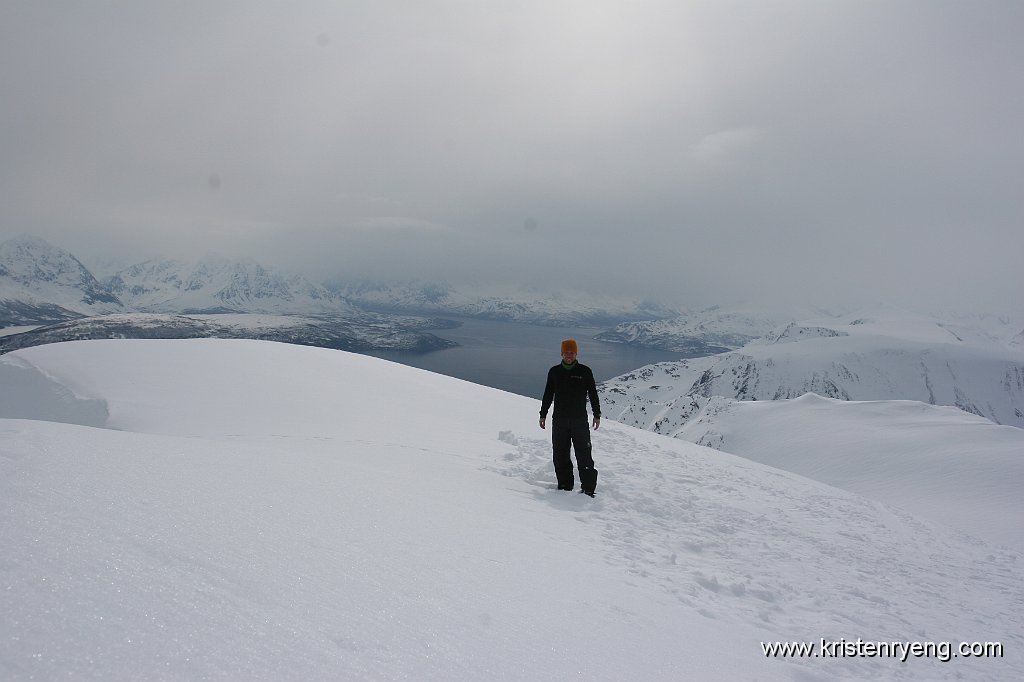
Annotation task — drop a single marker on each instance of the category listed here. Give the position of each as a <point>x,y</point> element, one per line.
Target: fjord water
<point>515,357</point>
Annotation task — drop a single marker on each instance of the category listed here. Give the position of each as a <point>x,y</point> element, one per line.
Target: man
<point>569,384</point>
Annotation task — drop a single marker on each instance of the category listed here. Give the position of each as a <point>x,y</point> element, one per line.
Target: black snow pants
<point>573,432</point>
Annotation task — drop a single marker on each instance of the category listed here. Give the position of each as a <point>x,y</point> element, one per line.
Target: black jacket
<point>569,389</point>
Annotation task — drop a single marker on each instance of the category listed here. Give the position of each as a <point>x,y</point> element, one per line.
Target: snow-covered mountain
<point>701,332</point>
<point>43,284</point>
<point>720,329</point>
<point>40,282</point>
<point>853,358</point>
<point>216,284</point>
<point>219,509</point>
<point>48,288</point>
<point>527,305</point>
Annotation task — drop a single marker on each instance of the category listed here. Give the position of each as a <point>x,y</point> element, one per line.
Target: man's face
<point>569,357</point>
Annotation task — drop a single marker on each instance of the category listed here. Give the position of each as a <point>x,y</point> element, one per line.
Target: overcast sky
<point>695,151</point>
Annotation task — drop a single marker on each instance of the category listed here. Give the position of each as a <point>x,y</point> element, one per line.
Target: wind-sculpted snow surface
<point>256,510</point>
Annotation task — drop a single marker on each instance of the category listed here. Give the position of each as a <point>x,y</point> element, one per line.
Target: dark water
<point>515,357</point>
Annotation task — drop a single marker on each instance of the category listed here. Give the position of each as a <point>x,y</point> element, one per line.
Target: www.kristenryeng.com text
<point>860,648</point>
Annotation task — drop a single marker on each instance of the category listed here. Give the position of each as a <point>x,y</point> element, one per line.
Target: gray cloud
<point>701,151</point>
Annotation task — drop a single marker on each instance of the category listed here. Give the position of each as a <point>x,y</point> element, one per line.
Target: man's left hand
<point>597,423</point>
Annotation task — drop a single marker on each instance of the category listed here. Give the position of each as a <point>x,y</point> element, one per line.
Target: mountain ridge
<point>216,284</point>
<point>38,279</point>
<point>855,358</point>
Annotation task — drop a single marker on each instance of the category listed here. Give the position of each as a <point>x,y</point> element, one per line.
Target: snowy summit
<point>229,509</point>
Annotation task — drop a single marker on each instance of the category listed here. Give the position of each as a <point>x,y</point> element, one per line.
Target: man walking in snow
<point>569,385</point>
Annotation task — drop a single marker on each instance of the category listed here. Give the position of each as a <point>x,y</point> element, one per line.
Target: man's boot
<point>588,480</point>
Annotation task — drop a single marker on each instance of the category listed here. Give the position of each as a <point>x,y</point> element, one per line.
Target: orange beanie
<point>569,345</point>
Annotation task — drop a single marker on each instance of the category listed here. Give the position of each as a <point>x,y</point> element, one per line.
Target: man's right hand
<point>543,421</point>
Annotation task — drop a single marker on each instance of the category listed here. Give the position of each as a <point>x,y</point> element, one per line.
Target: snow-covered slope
<point>217,284</point>
<point>939,463</point>
<point>40,282</point>
<point>853,358</point>
<point>216,509</point>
